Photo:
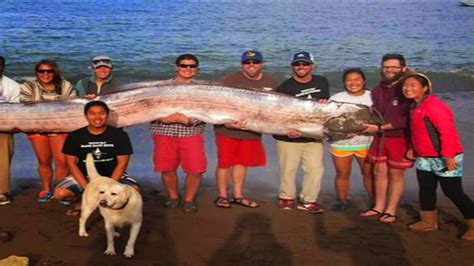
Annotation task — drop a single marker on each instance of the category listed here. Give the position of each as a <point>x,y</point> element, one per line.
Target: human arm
<point>26,92</point>
<point>175,118</point>
<point>374,128</point>
<point>236,124</point>
<point>81,91</point>
<point>181,119</point>
<point>293,134</point>
<point>442,119</point>
<point>411,155</point>
<point>68,90</point>
<point>324,96</point>
<point>71,161</point>
<point>11,90</point>
<point>451,163</point>
<point>394,107</point>
<point>119,170</point>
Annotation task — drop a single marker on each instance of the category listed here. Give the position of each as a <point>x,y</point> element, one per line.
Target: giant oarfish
<point>261,111</point>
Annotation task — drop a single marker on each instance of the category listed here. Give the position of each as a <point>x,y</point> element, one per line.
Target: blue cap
<point>302,57</point>
<point>252,55</point>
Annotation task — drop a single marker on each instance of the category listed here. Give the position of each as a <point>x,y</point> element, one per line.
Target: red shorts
<point>171,151</point>
<point>246,152</point>
<point>390,150</point>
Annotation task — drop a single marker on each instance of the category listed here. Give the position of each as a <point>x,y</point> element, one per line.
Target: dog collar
<point>121,207</point>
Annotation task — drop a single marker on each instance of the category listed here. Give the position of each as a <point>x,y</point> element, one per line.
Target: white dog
<point>119,205</point>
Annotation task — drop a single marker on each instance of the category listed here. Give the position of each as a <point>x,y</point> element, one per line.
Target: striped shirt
<point>34,91</point>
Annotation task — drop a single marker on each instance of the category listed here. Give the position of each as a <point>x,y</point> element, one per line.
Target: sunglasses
<point>106,61</point>
<point>301,64</point>
<point>43,71</point>
<point>249,62</point>
<point>186,66</point>
<point>391,67</point>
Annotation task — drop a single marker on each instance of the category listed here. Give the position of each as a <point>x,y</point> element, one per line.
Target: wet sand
<point>239,236</point>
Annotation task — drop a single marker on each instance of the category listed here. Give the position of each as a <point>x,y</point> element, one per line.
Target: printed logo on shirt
<point>395,102</point>
<point>97,144</point>
<point>98,153</point>
<point>307,92</point>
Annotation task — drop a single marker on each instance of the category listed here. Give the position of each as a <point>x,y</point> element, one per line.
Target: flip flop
<point>73,212</point>
<point>65,202</point>
<point>388,218</point>
<point>246,202</point>
<point>370,212</point>
<point>45,196</point>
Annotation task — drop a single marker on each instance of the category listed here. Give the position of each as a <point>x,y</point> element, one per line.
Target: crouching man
<point>110,146</point>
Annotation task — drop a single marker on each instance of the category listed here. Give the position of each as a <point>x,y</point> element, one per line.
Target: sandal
<point>340,206</point>
<point>171,203</point>
<point>222,202</point>
<point>44,196</point>
<point>370,212</point>
<point>388,218</point>
<point>246,202</point>
<point>190,207</point>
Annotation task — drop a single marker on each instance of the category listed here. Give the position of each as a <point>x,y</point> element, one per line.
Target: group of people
<point>418,129</point>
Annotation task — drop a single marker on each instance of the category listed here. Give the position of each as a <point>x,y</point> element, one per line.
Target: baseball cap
<point>252,55</point>
<point>302,57</point>
<point>102,60</point>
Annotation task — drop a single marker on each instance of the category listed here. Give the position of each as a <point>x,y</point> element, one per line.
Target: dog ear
<point>124,194</point>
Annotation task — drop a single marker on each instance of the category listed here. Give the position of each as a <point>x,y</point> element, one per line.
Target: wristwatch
<point>380,128</point>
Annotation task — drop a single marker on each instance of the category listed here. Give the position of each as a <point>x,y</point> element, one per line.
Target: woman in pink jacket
<point>438,152</point>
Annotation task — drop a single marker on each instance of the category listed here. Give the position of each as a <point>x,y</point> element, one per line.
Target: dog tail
<point>90,166</point>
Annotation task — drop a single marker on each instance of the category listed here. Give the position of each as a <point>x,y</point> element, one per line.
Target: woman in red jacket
<point>438,152</point>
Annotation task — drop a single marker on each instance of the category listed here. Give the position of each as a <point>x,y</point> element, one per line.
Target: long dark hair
<point>57,79</point>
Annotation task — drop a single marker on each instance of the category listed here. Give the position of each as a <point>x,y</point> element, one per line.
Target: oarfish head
<point>351,123</point>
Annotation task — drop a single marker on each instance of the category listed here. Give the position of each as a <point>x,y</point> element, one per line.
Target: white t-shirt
<point>358,142</point>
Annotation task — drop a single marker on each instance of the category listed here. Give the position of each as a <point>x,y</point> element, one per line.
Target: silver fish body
<point>261,111</point>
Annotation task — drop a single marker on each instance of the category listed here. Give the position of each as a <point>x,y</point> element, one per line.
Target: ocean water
<point>144,37</point>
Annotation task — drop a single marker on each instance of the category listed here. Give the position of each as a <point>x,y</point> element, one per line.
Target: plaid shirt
<point>194,127</point>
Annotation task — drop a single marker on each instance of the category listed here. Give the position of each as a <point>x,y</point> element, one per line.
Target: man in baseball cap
<point>237,148</point>
<point>102,60</point>
<point>251,55</point>
<point>101,82</point>
<point>302,57</point>
<point>302,84</point>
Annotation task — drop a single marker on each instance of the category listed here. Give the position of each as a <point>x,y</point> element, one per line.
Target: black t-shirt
<point>105,148</point>
<point>317,88</point>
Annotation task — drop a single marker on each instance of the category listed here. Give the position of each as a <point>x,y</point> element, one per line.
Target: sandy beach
<point>239,236</point>
<point>143,38</point>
